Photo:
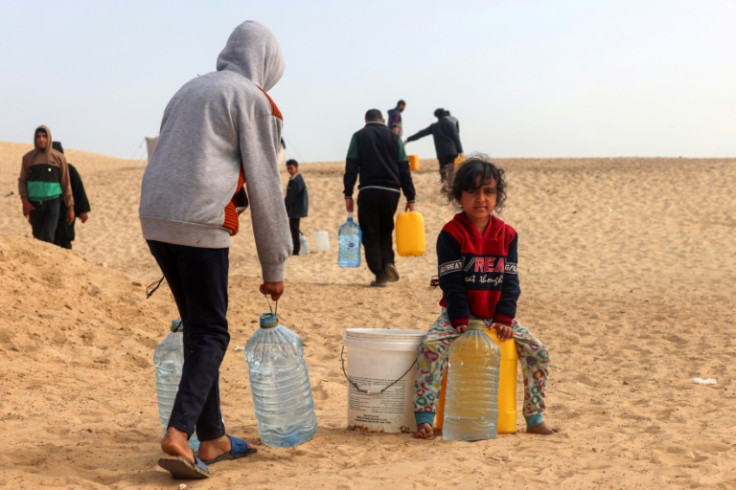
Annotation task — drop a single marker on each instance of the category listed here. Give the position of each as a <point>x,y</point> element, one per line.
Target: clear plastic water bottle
<point>169,360</point>
<point>279,381</point>
<point>349,237</point>
<point>471,405</point>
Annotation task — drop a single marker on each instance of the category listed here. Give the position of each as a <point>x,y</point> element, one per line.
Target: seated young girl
<point>478,275</point>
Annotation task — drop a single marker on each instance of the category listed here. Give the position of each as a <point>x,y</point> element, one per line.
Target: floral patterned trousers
<point>432,362</point>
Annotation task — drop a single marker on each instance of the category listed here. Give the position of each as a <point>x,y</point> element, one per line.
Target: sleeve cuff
<point>501,318</point>
<point>273,273</point>
<point>461,321</point>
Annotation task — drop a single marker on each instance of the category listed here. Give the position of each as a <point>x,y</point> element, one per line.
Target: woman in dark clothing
<point>65,231</point>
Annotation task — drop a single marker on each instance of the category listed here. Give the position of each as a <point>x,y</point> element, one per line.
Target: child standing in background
<point>478,274</point>
<point>296,200</point>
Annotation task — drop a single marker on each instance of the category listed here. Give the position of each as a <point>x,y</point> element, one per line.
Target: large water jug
<point>349,237</point>
<point>410,239</point>
<point>279,381</point>
<point>506,386</point>
<point>472,385</point>
<point>168,358</point>
<point>303,245</point>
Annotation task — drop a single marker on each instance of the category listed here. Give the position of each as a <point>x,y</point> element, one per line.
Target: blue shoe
<point>183,469</point>
<point>238,449</point>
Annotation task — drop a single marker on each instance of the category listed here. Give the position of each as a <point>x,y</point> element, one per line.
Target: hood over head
<point>48,135</point>
<point>253,51</point>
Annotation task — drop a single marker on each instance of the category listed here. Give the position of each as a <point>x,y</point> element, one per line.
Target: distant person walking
<point>65,231</point>
<point>394,122</point>
<point>297,202</point>
<point>377,157</point>
<point>453,120</point>
<point>220,131</point>
<point>446,134</point>
<point>43,184</point>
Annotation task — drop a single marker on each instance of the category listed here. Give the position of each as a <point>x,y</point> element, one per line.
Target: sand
<point>628,274</point>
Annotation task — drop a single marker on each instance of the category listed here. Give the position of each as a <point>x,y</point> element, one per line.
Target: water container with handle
<point>169,361</point>
<point>413,162</point>
<point>507,413</point>
<point>349,237</point>
<point>472,385</point>
<point>279,382</point>
<point>410,239</point>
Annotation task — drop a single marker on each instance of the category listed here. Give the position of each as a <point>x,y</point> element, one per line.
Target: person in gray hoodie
<point>220,132</point>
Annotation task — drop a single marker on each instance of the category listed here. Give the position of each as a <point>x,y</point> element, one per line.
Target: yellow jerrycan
<point>506,387</point>
<point>410,240</point>
<point>413,162</point>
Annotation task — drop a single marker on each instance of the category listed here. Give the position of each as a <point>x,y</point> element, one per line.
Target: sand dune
<point>628,274</point>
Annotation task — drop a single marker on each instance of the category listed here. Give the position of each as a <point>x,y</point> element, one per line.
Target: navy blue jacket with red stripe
<point>478,271</point>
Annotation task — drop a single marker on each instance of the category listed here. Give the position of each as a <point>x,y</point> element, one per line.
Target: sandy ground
<point>628,274</point>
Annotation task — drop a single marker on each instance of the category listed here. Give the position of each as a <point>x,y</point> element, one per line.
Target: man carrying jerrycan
<point>377,156</point>
<point>219,132</point>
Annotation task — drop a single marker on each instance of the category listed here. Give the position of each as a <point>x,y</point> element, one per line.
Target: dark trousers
<point>197,278</point>
<point>294,227</point>
<point>44,219</point>
<point>376,209</point>
<point>64,231</point>
<point>446,165</point>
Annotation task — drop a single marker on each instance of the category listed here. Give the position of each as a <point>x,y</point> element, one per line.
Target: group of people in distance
<point>51,191</point>
<point>477,254</point>
<point>220,136</point>
<point>445,133</point>
<point>377,157</point>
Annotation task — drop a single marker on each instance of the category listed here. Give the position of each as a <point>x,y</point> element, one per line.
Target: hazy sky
<point>526,78</point>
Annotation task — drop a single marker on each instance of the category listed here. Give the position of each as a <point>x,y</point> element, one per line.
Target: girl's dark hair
<point>475,171</point>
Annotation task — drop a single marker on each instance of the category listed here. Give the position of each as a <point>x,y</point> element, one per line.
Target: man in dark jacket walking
<point>446,134</point>
<point>377,156</point>
<point>297,202</point>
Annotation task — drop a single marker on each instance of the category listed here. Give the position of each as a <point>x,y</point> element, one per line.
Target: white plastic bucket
<point>381,372</point>
<point>321,241</point>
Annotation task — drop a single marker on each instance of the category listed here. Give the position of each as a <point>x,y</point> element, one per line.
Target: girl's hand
<point>504,332</point>
<point>461,328</point>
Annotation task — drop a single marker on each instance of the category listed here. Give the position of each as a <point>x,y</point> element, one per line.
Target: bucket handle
<point>370,391</point>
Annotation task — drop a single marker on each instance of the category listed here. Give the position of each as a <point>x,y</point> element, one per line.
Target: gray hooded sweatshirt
<point>221,130</point>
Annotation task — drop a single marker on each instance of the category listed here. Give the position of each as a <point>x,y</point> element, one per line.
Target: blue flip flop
<point>238,449</point>
<point>183,469</point>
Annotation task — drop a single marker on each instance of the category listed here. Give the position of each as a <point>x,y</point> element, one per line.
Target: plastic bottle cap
<point>177,325</point>
<point>476,325</point>
<point>269,320</point>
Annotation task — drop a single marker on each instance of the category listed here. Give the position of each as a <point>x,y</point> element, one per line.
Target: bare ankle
<point>175,443</point>
<point>542,429</point>
<point>424,431</point>
<point>214,447</point>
